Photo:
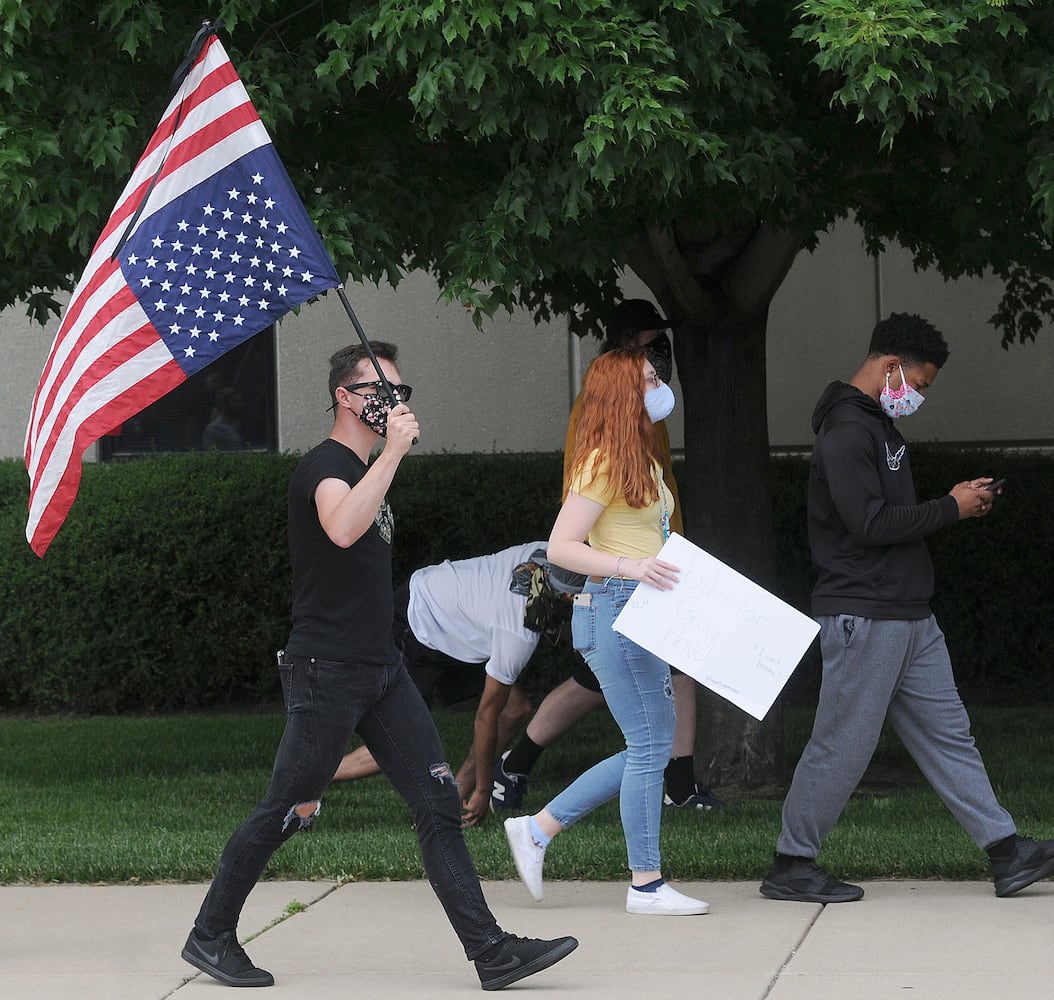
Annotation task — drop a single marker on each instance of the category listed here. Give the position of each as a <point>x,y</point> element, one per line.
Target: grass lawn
<point>154,799</point>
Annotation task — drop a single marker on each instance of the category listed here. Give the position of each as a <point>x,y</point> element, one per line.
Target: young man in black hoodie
<point>883,653</point>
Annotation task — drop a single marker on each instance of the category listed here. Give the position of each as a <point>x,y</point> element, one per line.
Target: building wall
<point>509,388</point>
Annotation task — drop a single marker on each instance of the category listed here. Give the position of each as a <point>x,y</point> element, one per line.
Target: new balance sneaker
<point>701,798</point>
<point>1020,861</point>
<point>521,957</point>
<point>527,855</point>
<point>804,881</point>
<point>224,959</point>
<point>664,902</point>
<point>509,789</point>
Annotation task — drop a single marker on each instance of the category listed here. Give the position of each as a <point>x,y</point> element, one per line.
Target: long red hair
<point>614,421</point>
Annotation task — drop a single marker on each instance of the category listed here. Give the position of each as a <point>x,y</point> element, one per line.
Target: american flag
<point>208,245</point>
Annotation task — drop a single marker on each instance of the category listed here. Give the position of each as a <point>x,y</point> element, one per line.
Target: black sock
<point>1002,847</point>
<point>522,757</point>
<point>679,777</point>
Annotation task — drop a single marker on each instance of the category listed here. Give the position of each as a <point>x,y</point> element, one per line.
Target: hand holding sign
<point>720,628</point>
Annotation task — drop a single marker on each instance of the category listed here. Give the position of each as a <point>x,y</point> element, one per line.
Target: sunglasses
<point>402,392</point>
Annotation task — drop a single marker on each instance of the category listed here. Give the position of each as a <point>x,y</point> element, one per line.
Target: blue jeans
<point>636,685</point>
<point>325,702</point>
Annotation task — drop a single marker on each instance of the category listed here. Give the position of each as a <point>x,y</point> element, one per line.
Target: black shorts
<point>581,673</point>
<point>428,667</point>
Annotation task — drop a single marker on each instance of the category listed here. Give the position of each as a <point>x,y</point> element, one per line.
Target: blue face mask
<point>659,402</point>
<point>902,402</point>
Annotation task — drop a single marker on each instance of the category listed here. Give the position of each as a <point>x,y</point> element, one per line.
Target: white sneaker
<point>526,853</point>
<point>664,902</point>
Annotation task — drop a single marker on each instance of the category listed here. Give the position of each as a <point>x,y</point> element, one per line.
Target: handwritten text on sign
<point>720,628</point>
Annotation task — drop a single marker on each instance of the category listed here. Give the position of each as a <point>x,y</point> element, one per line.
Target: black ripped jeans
<point>325,702</point>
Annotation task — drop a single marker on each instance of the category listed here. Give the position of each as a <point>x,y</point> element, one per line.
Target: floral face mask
<point>900,402</point>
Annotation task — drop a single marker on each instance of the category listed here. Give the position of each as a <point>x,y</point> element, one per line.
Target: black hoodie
<point>866,528</point>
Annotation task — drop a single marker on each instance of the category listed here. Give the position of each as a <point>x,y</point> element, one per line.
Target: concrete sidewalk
<point>373,941</point>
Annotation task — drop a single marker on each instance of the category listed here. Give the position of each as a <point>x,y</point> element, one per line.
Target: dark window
<point>229,405</point>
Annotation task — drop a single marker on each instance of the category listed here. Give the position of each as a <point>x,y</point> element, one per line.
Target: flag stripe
<point>101,346</point>
<point>104,407</point>
<point>82,314</point>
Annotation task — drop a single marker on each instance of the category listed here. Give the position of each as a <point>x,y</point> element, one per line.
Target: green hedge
<point>168,586</point>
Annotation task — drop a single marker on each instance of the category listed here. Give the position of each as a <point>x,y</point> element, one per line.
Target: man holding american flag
<point>341,673</point>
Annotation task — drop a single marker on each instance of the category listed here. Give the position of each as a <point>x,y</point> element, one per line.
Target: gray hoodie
<point>866,528</point>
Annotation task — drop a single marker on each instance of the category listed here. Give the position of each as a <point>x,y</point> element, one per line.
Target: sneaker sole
<point>211,970</point>
<point>562,950</point>
<point>790,896</point>
<point>695,911</point>
<point>1025,879</point>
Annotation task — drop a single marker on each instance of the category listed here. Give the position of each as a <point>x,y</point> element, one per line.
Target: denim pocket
<point>285,676</point>
<point>584,628</point>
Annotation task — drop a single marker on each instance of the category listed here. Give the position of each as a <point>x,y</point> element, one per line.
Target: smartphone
<point>997,485</point>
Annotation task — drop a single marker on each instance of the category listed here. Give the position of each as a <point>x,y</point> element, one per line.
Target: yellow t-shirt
<point>663,456</point>
<point>633,532</point>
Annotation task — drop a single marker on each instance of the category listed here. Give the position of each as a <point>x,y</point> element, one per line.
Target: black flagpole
<point>389,392</point>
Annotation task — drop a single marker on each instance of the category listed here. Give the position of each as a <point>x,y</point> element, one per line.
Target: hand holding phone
<point>997,484</point>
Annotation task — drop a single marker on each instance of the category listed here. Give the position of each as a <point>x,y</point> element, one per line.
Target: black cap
<point>631,316</point>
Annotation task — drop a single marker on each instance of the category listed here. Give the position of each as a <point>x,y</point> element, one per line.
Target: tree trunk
<point>716,287</point>
<point>728,511</point>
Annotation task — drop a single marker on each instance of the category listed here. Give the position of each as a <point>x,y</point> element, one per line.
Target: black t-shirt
<point>342,598</point>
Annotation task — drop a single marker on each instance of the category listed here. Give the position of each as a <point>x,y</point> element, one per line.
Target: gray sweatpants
<point>873,668</point>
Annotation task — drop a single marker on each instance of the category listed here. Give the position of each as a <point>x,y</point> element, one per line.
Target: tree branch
<point>759,271</point>
<point>658,261</point>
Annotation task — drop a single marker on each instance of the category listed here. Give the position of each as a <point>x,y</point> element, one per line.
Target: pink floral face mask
<point>900,402</point>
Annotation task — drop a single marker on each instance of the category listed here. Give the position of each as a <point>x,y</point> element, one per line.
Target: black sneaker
<point>224,959</point>
<point>701,798</point>
<point>1022,862</point>
<point>804,881</point>
<point>522,957</point>
<point>509,789</point>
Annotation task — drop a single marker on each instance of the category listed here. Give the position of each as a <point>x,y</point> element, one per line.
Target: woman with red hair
<point>614,520</point>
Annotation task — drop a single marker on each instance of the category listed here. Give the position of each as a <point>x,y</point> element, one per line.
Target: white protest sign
<point>720,628</point>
